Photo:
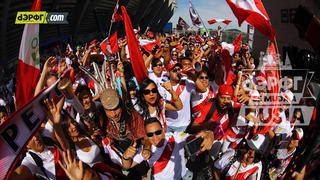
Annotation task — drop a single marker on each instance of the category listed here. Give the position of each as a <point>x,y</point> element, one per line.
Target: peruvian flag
<point>195,18</point>
<point>224,21</point>
<point>116,16</point>
<point>136,58</point>
<point>237,43</point>
<point>28,69</point>
<point>254,13</point>
<point>148,45</point>
<point>110,44</point>
<point>182,23</point>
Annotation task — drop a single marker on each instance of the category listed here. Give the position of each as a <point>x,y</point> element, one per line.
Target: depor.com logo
<point>41,17</point>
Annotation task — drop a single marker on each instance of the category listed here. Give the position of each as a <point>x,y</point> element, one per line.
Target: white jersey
<point>198,98</point>
<point>251,171</point>
<point>92,156</point>
<point>183,117</point>
<point>159,80</point>
<point>48,164</point>
<point>176,166</point>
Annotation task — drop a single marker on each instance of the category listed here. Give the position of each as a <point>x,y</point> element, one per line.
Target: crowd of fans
<point>182,122</point>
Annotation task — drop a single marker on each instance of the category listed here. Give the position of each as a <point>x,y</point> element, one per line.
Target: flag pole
<point>199,16</point>
<point>112,78</point>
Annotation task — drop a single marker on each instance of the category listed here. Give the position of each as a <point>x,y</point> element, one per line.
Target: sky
<point>208,9</point>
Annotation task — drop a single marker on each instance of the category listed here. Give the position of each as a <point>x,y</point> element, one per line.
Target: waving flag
<point>110,44</point>
<point>28,68</point>
<point>116,16</point>
<point>182,23</point>
<point>224,21</point>
<point>254,13</point>
<point>195,18</point>
<point>237,43</point>
<point>136,58</point>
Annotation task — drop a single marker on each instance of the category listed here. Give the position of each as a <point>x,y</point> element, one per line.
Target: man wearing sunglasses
<point>158,75</point>
<point>168,157</point>
<point>179,120</point>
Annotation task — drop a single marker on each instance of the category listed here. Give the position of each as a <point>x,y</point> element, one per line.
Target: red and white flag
<point>148,45</point>
<point>115,15</point>
<point>110,44</point>
<point>28,68</point>
<point>237,43</point>
<point>195,18</point>
<point>254,13</point>
<point>224,21</point>
<point>182,23</point>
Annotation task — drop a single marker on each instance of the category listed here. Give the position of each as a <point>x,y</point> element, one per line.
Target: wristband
<point>127,159</point>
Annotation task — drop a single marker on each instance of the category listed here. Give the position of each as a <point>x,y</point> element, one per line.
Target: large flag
<point>195,18</point>
<point>254,13</point>
<point>110,44</point>
<point>136,58</point>
<point>28,68</point>
<point>182,23</point>
<point>224,21</point>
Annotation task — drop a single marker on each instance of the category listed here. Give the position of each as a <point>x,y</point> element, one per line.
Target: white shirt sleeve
<point>138,157</point>
<point>30,164</point>
<point>224,160</point>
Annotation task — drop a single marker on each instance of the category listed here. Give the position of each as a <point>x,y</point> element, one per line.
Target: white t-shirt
<point>176,167</point>
<point>159,80</point>
<point>251,171</point>
<point>92,156</point>
<point>197,98</point>
<point>48,163</point>
<point>183,117</point>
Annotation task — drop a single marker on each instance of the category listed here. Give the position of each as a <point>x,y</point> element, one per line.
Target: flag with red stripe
<point>28,68</point>
<point>110,44</point>
<point>254,13</point>
<point>224,21</point>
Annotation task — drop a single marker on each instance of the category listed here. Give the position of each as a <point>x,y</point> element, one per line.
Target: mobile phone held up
<point>193,147</point>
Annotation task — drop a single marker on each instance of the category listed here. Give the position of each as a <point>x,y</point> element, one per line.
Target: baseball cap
<point>171,66</point>
<point>225,90</point>
<point>109,99</point>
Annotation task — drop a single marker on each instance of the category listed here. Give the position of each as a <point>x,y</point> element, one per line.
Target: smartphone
<point>193,147</point>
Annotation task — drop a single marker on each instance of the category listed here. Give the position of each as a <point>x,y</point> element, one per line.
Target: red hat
<point>225,90</point>
<point>171,66</point>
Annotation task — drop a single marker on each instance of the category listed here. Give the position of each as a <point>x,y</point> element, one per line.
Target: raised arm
<point>176,103</point>
<point>48,66</point>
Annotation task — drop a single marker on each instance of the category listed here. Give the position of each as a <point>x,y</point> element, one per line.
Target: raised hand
<point>73,169</point>
<point>208,138</point>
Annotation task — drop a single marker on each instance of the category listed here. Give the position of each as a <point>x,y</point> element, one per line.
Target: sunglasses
<point>175,70</point>
<point>203,77</point>
<point>150,134</point>
<point>149,91</point>
<point>157,65</point>
<point>174,54</point>
<point>295,117</point>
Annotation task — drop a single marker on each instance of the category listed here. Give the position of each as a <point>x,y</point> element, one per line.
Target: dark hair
<point>152,120</point>
<point>244,147</point>
<point>142,102</point>
<point>3,109</point>
<point>82,89</point>
<point>185,58</point>
<point>155,61</point>
<point>127,68</point>
<point>203,70</point>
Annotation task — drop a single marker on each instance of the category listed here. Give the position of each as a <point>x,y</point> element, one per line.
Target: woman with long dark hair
<point>151,103</point>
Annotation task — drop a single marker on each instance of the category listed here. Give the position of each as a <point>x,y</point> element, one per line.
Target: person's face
<point>174,74</point>
<point>86,101</point>
<point>3,117</point>
<point>186,64</point>
<point>224,101</point>
<point>293,143</point>
<point>36,143</point>
<point>236,57</point>
<point>150,94</point>
<point>203,80</point>
<point>296,117</point>
<point>51,80</point>
<point>248,157</point>
<point>155,134</point>
<point>132,93</point>
<point>157,68</point>
<point>114,114</point>
<point>174,56</point>
<point>73,130</point>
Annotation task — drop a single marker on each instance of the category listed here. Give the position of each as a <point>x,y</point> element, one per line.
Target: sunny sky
<point>208,9</point>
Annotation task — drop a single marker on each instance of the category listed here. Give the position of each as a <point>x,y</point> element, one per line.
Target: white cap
<point>254,94</point>
<point>299,133</point>
<point>287,95</point>
<point>256,141</point>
